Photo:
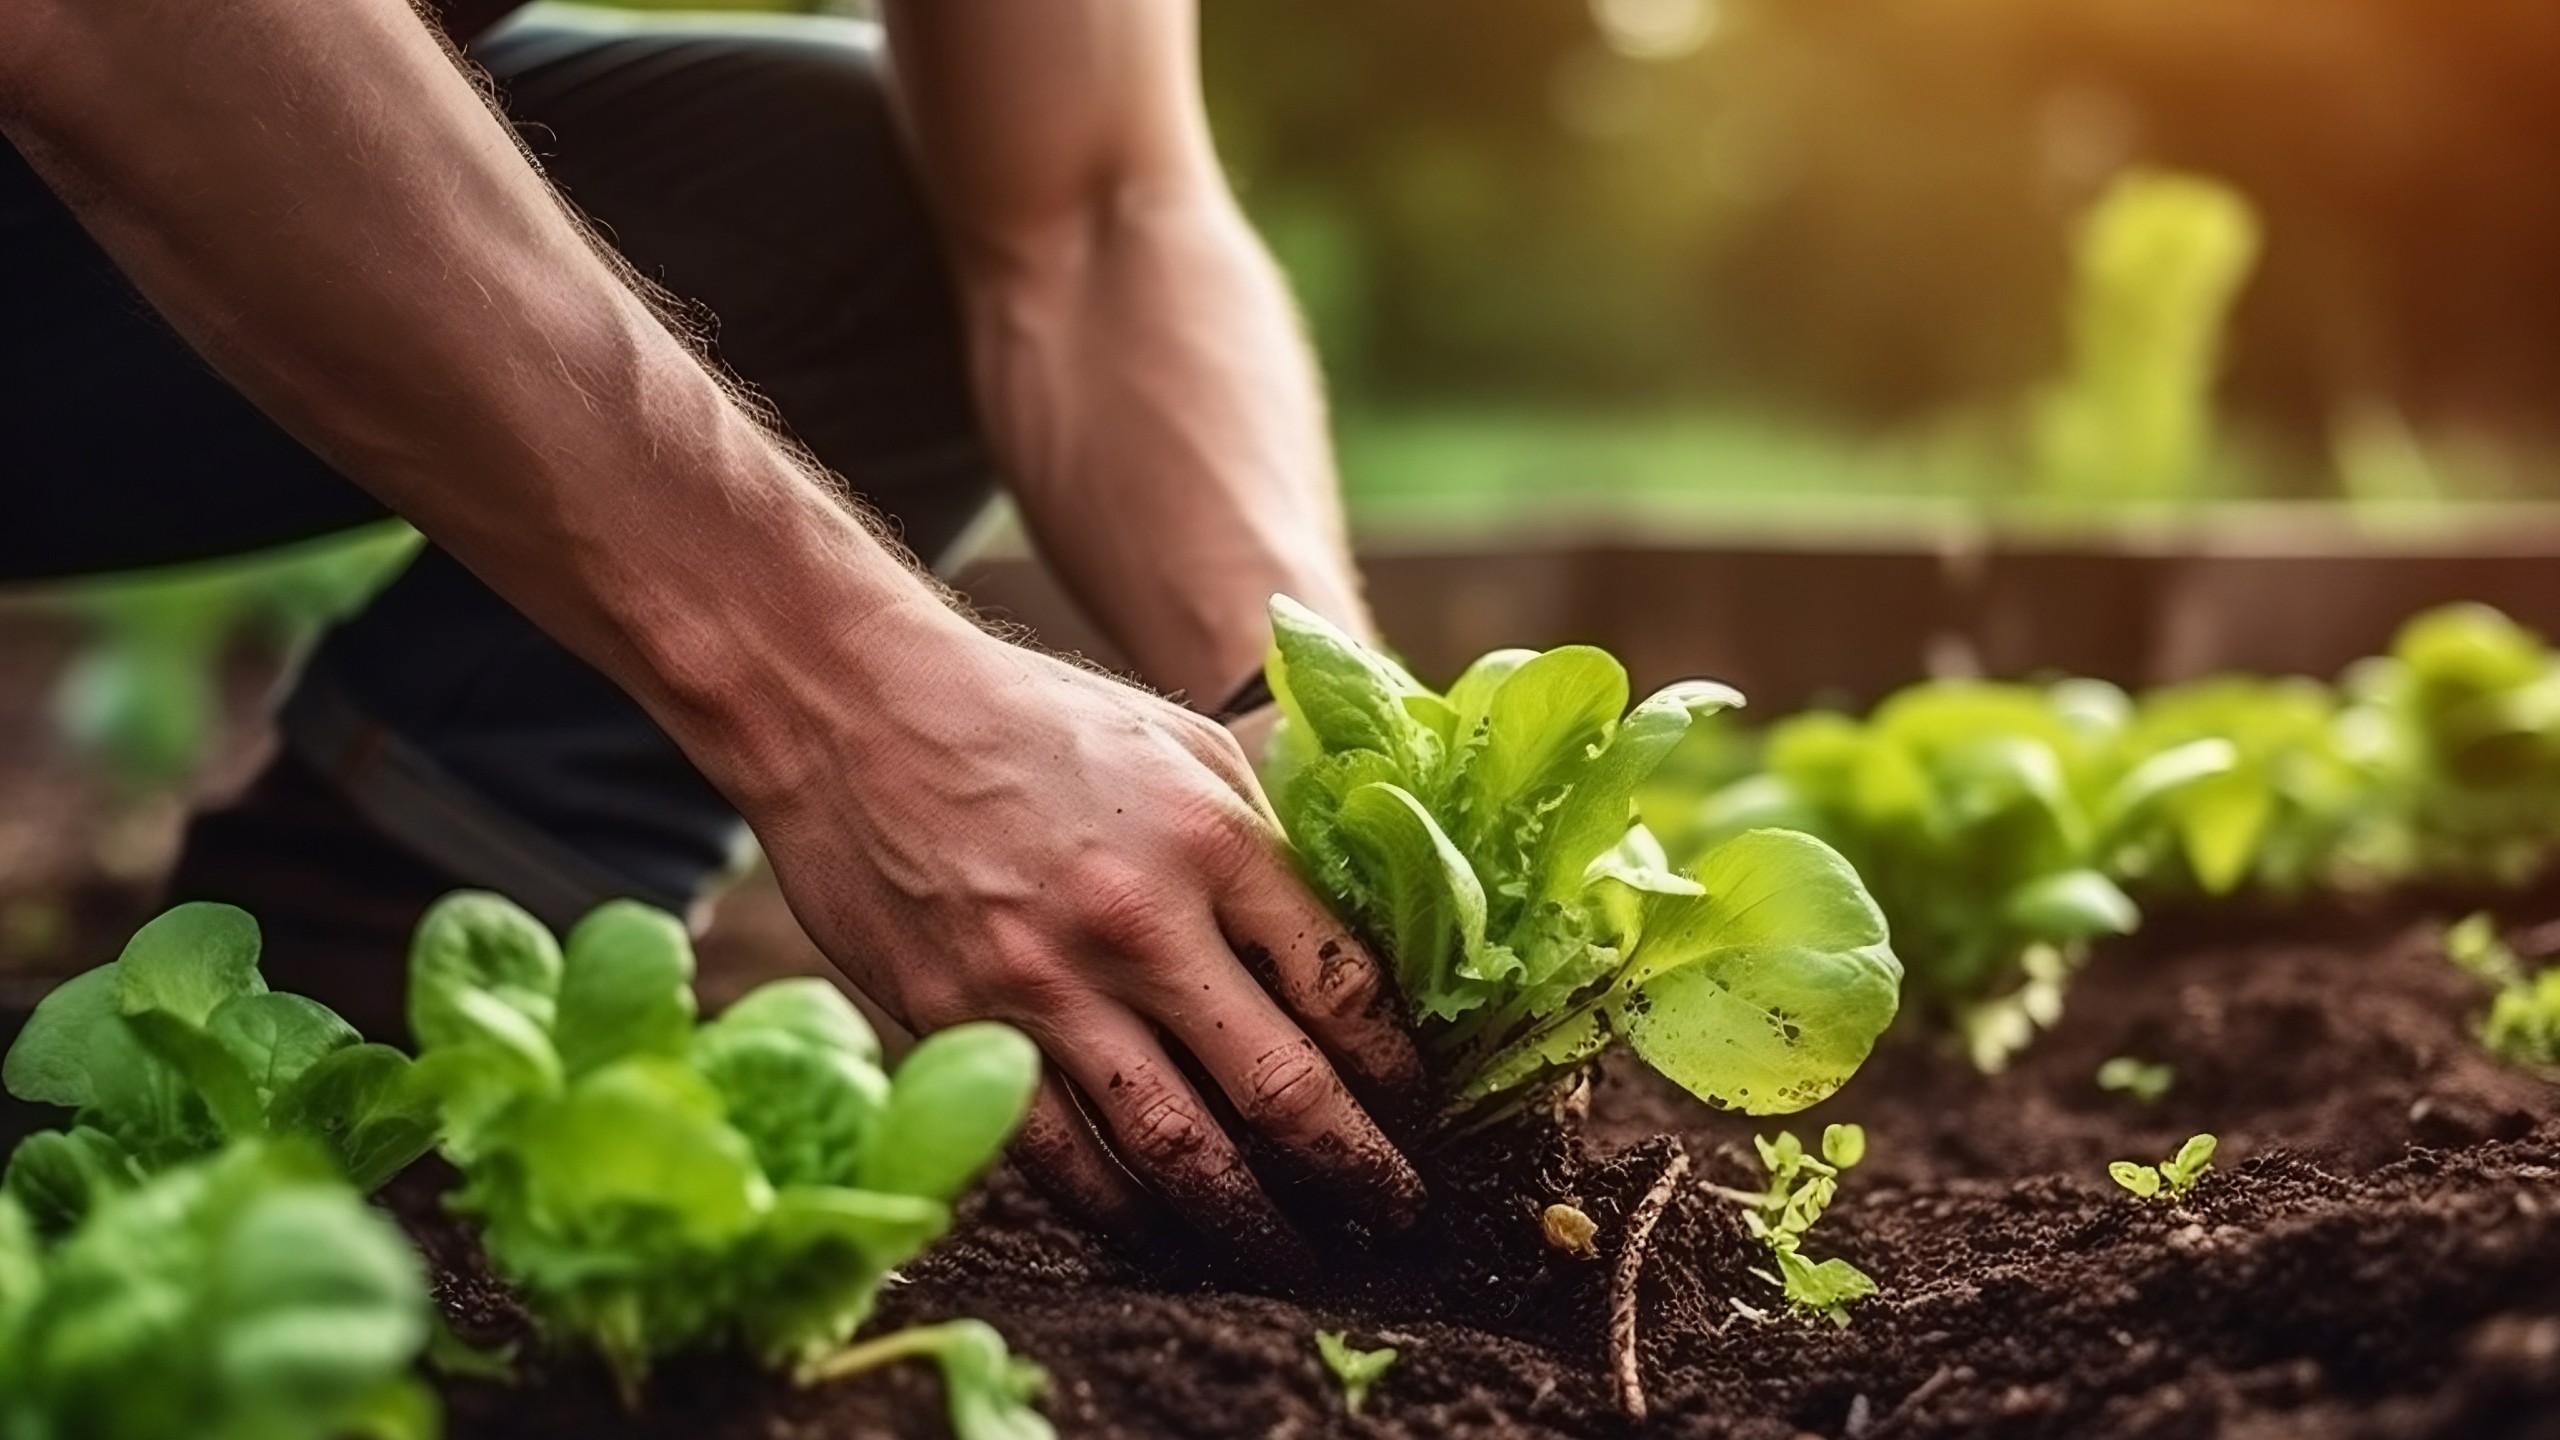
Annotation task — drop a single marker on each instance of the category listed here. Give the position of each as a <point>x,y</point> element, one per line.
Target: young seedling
<point>2171,1178</point>
<point>2146,1081</point>
<point>1486,838</point>
<point>1354,1369</point>
<point>987,1389</point>
<point>249,1295</point>
<point>653,1185</point>
<point>2523,1023</point>
<point>177,1047</point>
<point>1801,1186</point>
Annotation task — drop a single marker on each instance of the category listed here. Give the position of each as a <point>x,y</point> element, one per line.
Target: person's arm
<point>320,202</point>
<point>1139,365</point>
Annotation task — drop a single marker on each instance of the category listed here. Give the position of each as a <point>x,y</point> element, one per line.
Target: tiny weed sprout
<point>1354,1369</point>
<point>652,1184</point>
<point>178,1047</point>
<point>2144,1080</point>
<point>2171,1178</point>
<point>1486,839</point>
<point>1801,1186</point>
<point>249,1295</point>
<point>2523,1023</point>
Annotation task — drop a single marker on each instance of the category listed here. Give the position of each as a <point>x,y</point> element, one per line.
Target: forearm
<point>1149,387</point>
<point>311,193</point>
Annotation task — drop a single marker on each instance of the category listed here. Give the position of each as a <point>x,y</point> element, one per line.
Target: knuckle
<point>1349,984</point>
<point>1166,1130</point>
<point>1222,835</point>
<point>1120,904</point>
<point>1288,1089</point>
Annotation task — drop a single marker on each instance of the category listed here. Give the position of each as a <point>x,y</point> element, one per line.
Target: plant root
<point>1625,1366</point>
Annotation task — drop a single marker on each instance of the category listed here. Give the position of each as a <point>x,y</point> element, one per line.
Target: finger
<point>1280,1084</point>
<point>1313,965</point>
<point>1059,1150</point>
<point>1162,1132</point>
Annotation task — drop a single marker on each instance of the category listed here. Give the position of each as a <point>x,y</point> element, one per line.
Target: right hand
<point>1001,835</point>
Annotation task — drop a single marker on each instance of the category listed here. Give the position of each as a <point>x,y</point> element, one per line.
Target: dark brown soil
<point>2378,1254</point>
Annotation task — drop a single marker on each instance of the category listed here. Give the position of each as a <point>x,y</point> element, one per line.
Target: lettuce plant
<point>177,1047</point>
<point>1486,839</point>
<point>652,1184</point>
<point>2288,814</point>
<point>2463,716</point>
<point>250,1295</point>
<point>1987,819</point>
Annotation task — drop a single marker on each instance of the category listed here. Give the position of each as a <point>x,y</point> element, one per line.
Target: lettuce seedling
<point>2463,717</point>
<point>2144,1080</point>
<point>1801,1187</point>
<point>2288,814</point>
<point>250,1295</point>
<point>2171,1178</point>
<point>652,1184</point>
<point>176,1047</point>
<point>1985,819</point>
<point>1354,1369</point>
<point>2523,1023</point>
<point>1486,839</point>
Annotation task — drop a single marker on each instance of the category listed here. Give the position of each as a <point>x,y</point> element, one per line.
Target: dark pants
<point>751,167</point>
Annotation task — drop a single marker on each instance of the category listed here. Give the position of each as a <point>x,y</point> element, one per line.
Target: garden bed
<point>2377,1253</point>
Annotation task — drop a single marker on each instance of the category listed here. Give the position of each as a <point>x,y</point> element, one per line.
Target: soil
<point>2377,1253</point>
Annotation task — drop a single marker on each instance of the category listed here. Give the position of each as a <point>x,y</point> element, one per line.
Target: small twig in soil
<point>1909,1406</point>
<point>1623,1361</point>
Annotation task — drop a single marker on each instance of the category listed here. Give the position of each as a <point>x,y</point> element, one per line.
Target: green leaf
<point>808,1008</point>
<point>1547,710</point>
<point>188,960</point>
<point>2188,1166</point>
<point>475,944</point>
<point>2142,1180</point>
<point>814,1267</point>
<point>1346,695</point>
<point>1356,1370</point>
<point>1597,812</point>
<point>59,1176</point>
<point>1844,1145</point>
<point>319,1300</point>
<point>987,1392</point>
<point>2219,825</point>
<point>803,1106</point>
<point>2072,905</point>
<point>275,1037</point>
<point>74,1029</point>
<point>1767,992</point>
<point>1434,907</point>
<point>955,1102</point>
<point>626,987</point>
<point>640,1135</point>
<point>2160,777</point>
<point>365,1106</point>
<point>218,1078</point>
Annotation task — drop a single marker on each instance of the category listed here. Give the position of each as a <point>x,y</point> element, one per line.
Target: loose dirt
<point>2377,1253</point>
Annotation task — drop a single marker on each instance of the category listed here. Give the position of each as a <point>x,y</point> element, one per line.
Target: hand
<point>1014,838</point>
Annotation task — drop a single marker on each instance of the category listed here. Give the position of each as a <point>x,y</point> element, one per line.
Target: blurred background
<point>2116,249</point>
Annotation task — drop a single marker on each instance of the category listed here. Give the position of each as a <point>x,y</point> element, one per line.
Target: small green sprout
<point>2523,1023</point>
<point>2144,1080</point>
<point>1355,1369</point>
<point>2172,1177</point>
<point>1801,1187</point>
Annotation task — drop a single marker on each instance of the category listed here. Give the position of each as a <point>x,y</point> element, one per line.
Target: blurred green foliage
<point>2158,261</point>
<point>144,695</point>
